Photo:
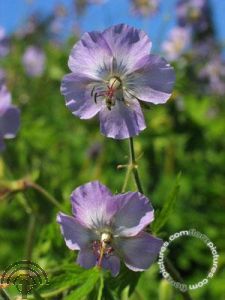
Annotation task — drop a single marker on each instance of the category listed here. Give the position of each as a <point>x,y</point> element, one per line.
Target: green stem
<point>134,166</point>
<point>4,295</point>
<point>177,277</point>
<point>37,295</point>
<point>44,193</point>
<point>30,237</point>
<point>127,177</point>
<point>101,287</point>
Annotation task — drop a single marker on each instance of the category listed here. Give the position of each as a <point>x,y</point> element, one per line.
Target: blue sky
<point>14,12</point>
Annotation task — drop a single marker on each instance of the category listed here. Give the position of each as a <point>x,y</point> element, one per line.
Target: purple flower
<point>34,61</point>
<point>214,73</point>
<point>4,43</point>
<point>192,12</point>
<point>9,117</point>
<point>106,228</point>
<point>112,71</point>
<point>179,38</point>
<point>145,7</point>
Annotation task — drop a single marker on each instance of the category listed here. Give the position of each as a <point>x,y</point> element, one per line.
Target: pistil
<point>103,247</point>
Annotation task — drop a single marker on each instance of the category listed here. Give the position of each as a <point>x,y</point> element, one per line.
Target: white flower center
<point>106,239</point>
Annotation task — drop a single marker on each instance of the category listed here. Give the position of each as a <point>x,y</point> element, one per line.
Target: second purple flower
<point>106,228</point>
<point>112,71</point>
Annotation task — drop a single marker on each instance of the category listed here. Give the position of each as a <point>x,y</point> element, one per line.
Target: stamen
<point>114,84</point>
<point>96,95</point>
<point>103,248</point>
<point>92,92</point>
<point>100,257</point>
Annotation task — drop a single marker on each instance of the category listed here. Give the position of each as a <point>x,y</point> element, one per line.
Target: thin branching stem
<point>176,276</point>
<point>44,193</point>
<point>4,295</point>
<point>30,237</point>
<point>133,166</point>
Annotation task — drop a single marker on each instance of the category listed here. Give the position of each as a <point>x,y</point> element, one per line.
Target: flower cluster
<point>214,73</point>
<point>112,73</point>
<point>179,39</point>
<point>106,228</point>
<point>192,13</point>
<point>9,117</point>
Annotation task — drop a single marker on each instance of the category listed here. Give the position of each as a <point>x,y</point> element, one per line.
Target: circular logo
<point>183,287</point>
<point>25,275</point>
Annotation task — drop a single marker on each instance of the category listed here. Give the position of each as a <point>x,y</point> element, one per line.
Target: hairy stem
<point>4,295</point>
<point>127,177</point>
<point>177,277</point>
<point>44,193</point>
<point>30,237</point>
<point>133,165</point>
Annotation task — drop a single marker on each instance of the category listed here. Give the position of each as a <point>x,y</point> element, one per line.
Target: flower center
<point>103,247</point>
<point>113,91</point>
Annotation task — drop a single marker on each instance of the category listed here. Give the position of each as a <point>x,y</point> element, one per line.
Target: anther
<point>92,92</point>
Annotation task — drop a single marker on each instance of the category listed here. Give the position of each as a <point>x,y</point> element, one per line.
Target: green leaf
<point>70,277</point>
<point>167,209</point>
<point>126,279</point>
<point>86,286</point>
<point>101,287</point>
<point>165,290</point>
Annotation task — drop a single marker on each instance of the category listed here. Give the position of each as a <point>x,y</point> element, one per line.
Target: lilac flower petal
<point>86,258</point>
<point>152,80</point>
<point>122,121</point>
<point>111,263</point>
<point>128,44</point>
<point>139,252</point>
<point>5,99</point>
<point>76,236</point>
<point>92,205</point>
<point>9,122</point>
<point>134,213</point>
<point>77,92</point>
<point>90,56</point>
<point>177,42</point>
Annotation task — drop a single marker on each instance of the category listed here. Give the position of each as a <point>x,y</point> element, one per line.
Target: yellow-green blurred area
<point>59,152</point>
